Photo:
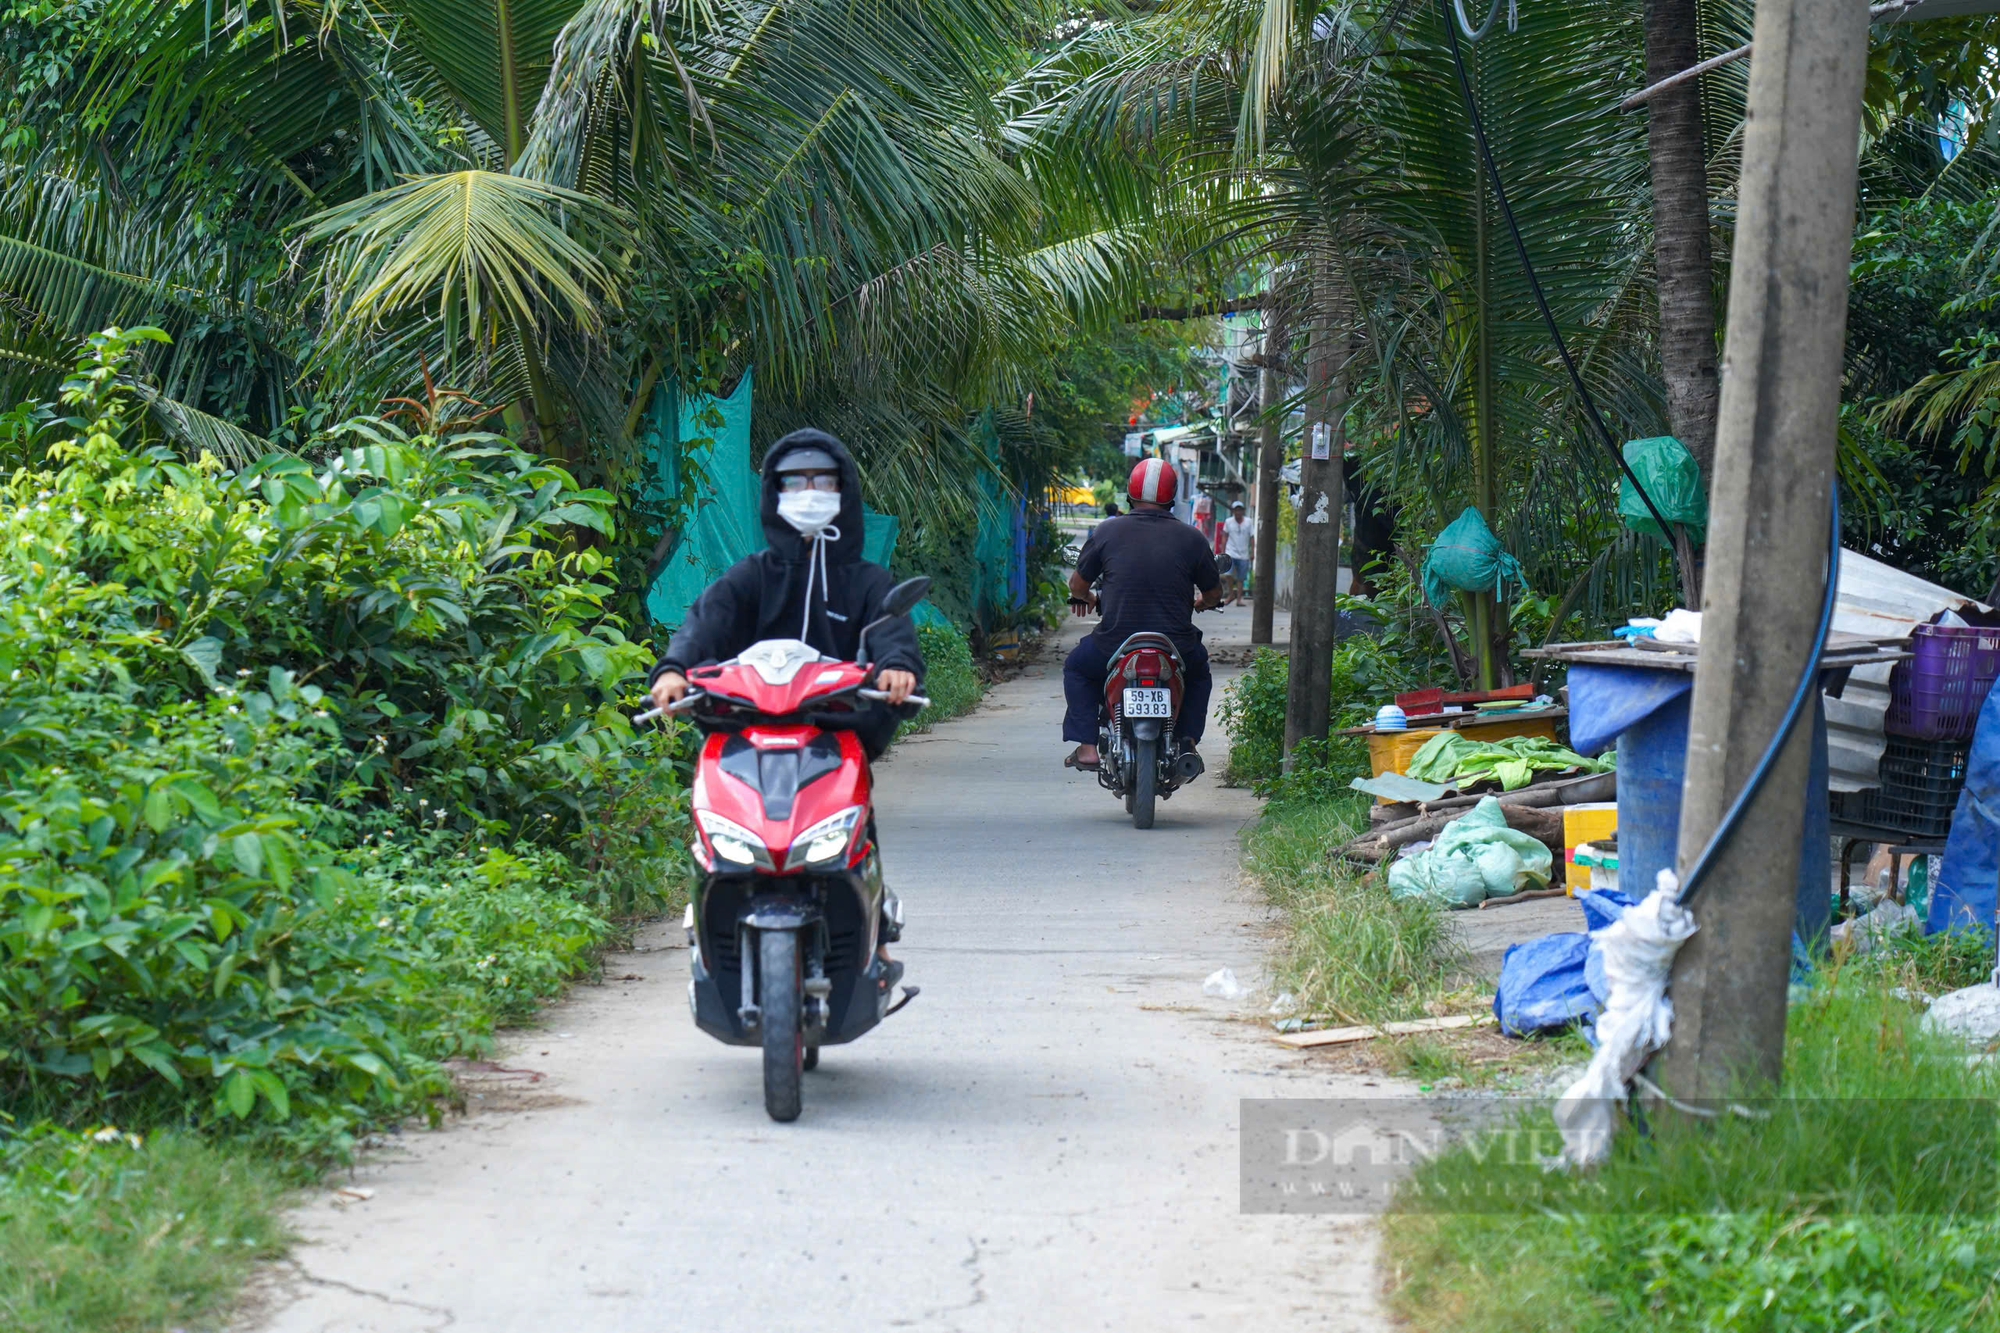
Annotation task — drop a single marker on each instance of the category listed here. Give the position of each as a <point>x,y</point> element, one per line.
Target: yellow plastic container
<point>1595,821</point>
<point>1391,751</point>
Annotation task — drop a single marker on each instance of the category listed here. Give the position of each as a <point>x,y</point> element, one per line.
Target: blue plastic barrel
<point>1644,712</point>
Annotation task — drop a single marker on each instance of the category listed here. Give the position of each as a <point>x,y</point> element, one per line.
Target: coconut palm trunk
<point>1488,619</point>
<point>1681,257</point>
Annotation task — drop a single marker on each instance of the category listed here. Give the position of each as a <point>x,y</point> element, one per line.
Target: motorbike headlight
<point>731,841</point>
<point>826,840</point>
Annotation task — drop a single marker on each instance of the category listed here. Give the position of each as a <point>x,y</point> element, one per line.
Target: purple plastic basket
<point>1937,694</point>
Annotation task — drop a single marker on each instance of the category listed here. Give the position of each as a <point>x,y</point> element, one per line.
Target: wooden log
<point>1543,824</point>
<point>1367,1032</point>
<point>1522,897</point>
<point>1536,818</point>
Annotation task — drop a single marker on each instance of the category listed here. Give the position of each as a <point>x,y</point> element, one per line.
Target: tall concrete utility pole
<point>1767,543</point>
<point>1270,457</point>
<point>1316,568</point>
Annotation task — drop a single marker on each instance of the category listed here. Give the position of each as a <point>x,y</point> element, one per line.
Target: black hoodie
<point>764,596</point>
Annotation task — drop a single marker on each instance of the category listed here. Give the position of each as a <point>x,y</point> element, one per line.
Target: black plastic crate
<point>1920,785</point>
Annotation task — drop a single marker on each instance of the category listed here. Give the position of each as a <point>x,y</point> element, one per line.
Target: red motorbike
<point>1141,758</point>
<point>790,910</point>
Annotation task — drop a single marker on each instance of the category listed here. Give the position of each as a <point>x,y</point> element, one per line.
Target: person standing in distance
<point>1238,533</point>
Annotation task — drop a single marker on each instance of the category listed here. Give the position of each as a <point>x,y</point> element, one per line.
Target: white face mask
<point>809,511</point>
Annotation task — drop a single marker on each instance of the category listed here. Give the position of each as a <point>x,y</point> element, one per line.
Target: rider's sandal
<point>892,972</point>
<point>1073,762</point>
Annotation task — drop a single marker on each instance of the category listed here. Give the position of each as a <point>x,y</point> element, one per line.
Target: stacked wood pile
<point>1535,810</point>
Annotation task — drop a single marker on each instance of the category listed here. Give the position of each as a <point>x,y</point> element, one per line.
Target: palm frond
<point>478,247</point>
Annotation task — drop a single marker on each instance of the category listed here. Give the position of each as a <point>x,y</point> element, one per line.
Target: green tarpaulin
<point>726,525</point>
<point>1672,479</point>
<point>1467,556</point>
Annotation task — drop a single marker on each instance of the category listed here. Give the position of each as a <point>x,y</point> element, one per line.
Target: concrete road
<point>1045,1139</point>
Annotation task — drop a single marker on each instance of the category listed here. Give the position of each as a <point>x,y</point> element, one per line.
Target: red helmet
<point>1153,481</point>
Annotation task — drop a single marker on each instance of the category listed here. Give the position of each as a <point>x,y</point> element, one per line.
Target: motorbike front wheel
<point>1145,782</point>
<point>780,1002</point>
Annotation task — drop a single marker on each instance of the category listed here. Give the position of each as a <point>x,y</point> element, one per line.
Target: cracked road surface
<point>1046,1138</point>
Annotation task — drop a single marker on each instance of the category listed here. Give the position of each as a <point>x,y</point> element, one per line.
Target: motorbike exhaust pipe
<point>1188,765</point>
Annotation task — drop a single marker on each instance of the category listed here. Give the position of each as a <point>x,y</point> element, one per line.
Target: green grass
<point>1353,952</point>
<point>1844,1211</point>
<point>951,678</point>
<point>1931,964</point>
<point>1463,1058</point>
<point>106,1237</point>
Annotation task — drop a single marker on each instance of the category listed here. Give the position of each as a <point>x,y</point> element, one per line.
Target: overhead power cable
<point>1697,874</point>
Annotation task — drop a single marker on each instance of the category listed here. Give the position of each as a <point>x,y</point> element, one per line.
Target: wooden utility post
<point>1767,541</point>
<point>1316,567</point>
<point>1270,457</point>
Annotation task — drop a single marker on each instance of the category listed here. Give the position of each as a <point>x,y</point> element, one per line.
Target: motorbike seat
<point>1147,638</point>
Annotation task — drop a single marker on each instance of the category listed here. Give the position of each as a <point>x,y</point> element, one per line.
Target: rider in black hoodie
<point>816,588</point>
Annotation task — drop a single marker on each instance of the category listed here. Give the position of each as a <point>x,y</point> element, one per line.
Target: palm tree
<point>560,203</point>
<point>1347,142</point>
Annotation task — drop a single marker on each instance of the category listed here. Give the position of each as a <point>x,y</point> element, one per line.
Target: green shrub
<point>307,778</point>
<point>951,679</point>
<point>1365,675</point>
<point>433,589</point>
<point>1253,712</point>
<point>164,917</point>
<point>489,933</point>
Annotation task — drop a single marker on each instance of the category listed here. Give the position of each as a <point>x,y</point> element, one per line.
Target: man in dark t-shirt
<point>1151,564</point>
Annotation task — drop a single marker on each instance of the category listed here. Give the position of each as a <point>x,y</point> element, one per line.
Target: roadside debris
<point>1888,917</point>
<point>1341,1036</point>
<point>1972,1014</point>
<point>351,1194</point>
<point>1223,985</point>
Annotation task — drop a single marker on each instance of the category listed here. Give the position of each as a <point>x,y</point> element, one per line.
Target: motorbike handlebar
<point>882,696</point>
<point>694,697</point>
<point>686,701</point>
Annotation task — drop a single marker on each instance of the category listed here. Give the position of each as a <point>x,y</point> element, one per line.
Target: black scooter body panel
<point>841,910</point>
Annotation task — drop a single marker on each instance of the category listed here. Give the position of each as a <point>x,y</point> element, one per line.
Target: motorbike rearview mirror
<point>898,601</point>
<point>903,598</point>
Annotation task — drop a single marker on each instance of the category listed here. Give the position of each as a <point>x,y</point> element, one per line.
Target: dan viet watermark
<point>1504,1154</point>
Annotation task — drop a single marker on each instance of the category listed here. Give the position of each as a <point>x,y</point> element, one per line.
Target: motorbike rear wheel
<point>780,1002</point>
<point>1145,782</point>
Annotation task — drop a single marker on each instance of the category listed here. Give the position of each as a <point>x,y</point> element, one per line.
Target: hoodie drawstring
<point>817,557</point>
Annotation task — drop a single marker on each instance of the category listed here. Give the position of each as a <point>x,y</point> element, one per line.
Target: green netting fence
<point>710,437</point>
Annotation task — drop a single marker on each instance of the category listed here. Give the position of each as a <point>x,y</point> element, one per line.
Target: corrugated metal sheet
<point>1881,602</point>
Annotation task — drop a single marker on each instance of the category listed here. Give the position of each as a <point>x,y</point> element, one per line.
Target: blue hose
<point>1808,681</point>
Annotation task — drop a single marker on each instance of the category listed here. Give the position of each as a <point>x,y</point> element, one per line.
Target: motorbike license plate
<point>1141,702</point>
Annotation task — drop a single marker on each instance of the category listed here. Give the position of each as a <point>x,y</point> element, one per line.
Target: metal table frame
<point>1901,844</point>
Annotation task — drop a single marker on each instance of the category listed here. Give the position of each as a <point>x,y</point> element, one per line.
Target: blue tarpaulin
<point>1963,897</point>
<point>1544,986</point>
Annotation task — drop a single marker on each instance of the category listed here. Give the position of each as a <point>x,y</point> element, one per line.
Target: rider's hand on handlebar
<point>1082,606</point>
<point>899,684</point>
<point>668,689</point>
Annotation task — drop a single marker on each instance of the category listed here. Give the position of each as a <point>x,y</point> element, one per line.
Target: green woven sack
<point>1469,558</point>
<point>1673,479</point>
